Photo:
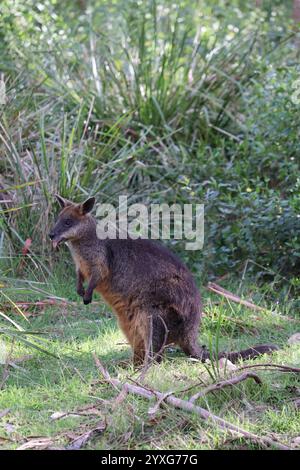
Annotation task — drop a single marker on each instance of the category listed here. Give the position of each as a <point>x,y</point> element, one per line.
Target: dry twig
<point>235,298</point>
<point>270,366</point>
<point>226,383</point>
<point>229,295</point>
<point>189,407</point>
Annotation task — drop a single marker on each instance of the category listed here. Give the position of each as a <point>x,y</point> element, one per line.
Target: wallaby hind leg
<point>147,349</point>
<point>155,338</point>
<point>148,339</point>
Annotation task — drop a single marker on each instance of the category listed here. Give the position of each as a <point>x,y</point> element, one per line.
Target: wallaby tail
<point>249,353</point>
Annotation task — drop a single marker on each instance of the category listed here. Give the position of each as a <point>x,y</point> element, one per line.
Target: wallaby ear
<point>62,201</point>
<point>87,205</point>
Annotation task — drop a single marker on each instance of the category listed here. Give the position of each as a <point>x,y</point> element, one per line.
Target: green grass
<point>186,102</point>
<point>163,102</point>
<point>43,385</point>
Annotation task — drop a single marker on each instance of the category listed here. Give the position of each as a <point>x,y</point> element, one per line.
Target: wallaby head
<point>74,221</point>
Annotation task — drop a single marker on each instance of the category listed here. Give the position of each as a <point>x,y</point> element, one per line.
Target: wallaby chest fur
<point>151,291</point>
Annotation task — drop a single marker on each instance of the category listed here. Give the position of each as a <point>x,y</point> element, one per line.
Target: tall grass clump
<point>149,99</point>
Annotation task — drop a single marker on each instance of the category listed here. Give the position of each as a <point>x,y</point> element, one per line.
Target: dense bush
<point>160,101</point>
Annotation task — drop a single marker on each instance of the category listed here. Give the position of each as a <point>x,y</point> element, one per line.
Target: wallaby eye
<point>68,222</point>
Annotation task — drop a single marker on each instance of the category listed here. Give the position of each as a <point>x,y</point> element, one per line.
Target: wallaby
<point>151,291</point>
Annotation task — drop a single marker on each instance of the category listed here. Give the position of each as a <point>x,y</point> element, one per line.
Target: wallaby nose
<point>51,235</point>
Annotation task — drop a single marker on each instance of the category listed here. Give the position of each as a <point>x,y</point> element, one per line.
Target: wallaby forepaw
<point>81,292</point>
<point>87,301</point>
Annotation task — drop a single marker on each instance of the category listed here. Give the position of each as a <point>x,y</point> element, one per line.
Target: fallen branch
<point>229,295</point>
<point>38,443</point>
<point>269,365</point>
<point>81,440</point>
<point>226,383</point>
<point>189,407</point>
<point>235,298</point>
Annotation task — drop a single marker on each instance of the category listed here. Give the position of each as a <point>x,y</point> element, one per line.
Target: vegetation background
<point>186,102</point>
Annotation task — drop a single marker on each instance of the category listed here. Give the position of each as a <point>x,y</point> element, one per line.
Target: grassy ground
<point>43,385</point>
<point>165,102</point>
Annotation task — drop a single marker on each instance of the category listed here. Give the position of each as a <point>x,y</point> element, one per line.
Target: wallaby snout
<point>56,240</point>
<point>55,243</point>
<point>57,234</point>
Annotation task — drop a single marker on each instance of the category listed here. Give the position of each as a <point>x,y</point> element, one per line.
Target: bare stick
<point>265,367</point>
<point>229,295</point>
<point>226,383</point>
<point>189,407</point>
<point>271,366</point>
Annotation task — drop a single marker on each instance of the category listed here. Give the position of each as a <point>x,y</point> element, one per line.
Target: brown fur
<point>151,291</point>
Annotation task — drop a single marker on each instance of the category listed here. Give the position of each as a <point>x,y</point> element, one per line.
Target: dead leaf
<point>81,440</point>
<point>75,414</point>
<point>37,443</point>
<point>9,428</point>
<point>294,338</point>
<point>226,364</point>
<point>295,443</point>
<point>4,412</point>
<point>62,414</point>
<point>70,435</point>
<point>226,367</point>
<point>296,402</point>
<point>26,246</point>
<point>293,389</point>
